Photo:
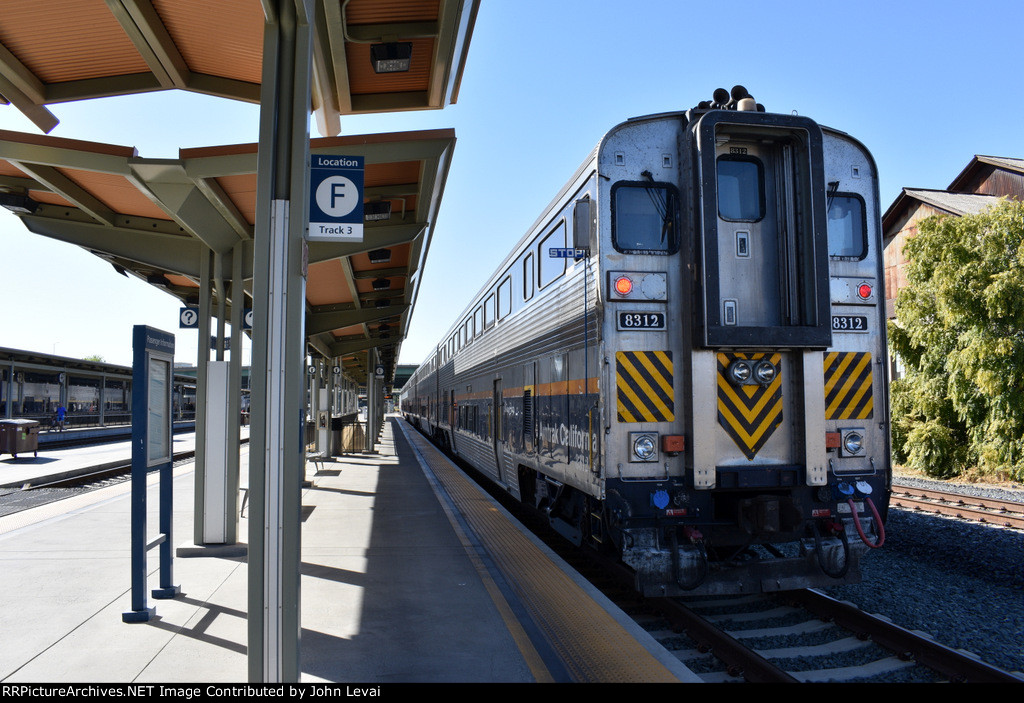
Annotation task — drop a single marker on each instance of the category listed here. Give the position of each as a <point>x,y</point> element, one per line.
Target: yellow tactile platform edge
<point>593,646</point>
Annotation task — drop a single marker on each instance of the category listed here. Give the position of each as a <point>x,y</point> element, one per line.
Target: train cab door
<point>765,282</point>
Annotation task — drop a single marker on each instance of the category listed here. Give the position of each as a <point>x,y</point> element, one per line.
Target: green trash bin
<point>19,436</point>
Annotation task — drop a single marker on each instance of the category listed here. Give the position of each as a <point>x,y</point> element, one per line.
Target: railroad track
<point>34,494</point>
<point>799,636</point>
<point>793,636</point>
<point>987,510</point>
<point>803,637</point>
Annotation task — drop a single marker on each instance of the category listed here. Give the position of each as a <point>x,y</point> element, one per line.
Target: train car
<point>683,360</point>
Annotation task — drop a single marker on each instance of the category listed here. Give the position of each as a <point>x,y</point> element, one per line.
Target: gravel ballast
<point>961,582</point>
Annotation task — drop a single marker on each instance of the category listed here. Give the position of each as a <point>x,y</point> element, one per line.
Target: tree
<point>94,357</point>
<point>960,333</point>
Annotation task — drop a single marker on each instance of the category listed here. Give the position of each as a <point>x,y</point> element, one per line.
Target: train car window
<point>505,297</point>
<point>478,322</point>
<point>489,308</point>
<point>644,218</point>
<point>528,277</point>
<point>847,233</point>
<point>551,267</point>
<point>740,189</point>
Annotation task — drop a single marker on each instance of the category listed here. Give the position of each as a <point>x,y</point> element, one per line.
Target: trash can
<point>19,436</point>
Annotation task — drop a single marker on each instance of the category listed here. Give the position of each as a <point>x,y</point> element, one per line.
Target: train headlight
<point>643,446</point>
<point>739,372</point>
<point>852,442</point>
<point>765,372</point>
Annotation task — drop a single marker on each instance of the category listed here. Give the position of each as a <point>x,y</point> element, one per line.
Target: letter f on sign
<point>337,193</point>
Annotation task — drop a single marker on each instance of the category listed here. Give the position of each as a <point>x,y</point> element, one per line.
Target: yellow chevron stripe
<point>750,439</point>
<point>740,408</point>
<point>749,414</point>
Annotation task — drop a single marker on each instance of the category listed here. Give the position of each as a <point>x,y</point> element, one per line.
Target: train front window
<point>847,235</point>
<point>644,218</point>
<point>740,189</point>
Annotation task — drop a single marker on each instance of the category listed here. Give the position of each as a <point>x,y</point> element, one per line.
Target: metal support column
<point>202,359</point>
<point>371,393</point>
<point>235,390</point>
<point>276,456</point>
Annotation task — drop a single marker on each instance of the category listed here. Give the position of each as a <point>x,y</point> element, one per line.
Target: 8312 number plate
<point>641,321</point>
<point>849,323</point>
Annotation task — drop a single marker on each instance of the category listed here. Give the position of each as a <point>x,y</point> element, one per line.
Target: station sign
<point>188,319</point>
<point>335,198</point>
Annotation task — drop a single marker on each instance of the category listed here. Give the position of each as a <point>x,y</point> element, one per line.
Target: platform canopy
<point>54,51</point>
<point>157,218</point>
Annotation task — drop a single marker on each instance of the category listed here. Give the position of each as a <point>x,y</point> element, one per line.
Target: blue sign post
<point>335,198</point>
<point>152,449</point>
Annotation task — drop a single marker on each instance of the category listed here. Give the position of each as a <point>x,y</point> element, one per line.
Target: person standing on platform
<point>61,413</point>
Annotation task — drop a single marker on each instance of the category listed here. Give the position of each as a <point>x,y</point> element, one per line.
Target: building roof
<point>154,218</point>
<point>955,199</point>
<point>1002,162</point>
<point>953,203</point>
<point>62,50</point>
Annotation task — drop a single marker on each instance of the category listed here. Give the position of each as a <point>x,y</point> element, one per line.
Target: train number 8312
<point>849,323</point>
<point>641,321</point>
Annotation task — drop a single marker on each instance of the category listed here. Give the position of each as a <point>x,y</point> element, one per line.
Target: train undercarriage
<point>753,541</point>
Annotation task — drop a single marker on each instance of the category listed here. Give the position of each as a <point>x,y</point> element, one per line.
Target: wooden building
<point>980,185</point>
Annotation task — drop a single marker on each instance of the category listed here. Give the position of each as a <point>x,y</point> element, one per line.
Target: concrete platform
<point>393,589</point>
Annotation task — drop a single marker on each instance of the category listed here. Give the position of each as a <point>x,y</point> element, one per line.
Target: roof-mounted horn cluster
<point>736,99</point>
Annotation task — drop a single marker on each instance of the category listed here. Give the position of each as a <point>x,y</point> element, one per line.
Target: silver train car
<point>683,360</point>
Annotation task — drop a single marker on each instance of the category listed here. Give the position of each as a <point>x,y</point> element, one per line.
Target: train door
<point>765,279</point>
<point>529,409</point>
<point>497,438</point>
<point>453,412</point>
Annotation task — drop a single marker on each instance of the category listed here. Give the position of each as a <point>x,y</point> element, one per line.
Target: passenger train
<point>683,360</point>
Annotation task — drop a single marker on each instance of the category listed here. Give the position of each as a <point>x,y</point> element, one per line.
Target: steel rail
<point>958,665</point>
<point>740,660</point>
<point>986,510</point>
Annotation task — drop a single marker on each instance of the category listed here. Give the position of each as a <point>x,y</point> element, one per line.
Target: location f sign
<point>336,198</point>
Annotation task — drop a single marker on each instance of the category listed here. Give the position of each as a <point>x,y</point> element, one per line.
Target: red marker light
<point>864,290</point>
<point>623,285</point>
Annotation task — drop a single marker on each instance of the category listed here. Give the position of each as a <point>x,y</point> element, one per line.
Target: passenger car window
<point>847,234</point>
<point>504,297</point>
<point>528,277</point>
<point>644,217</point>
<point>550,267</point>
<point>489,311</point>
<point>740,189</point>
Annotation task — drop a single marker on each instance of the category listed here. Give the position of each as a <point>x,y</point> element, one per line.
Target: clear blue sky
<point>925,85</point>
